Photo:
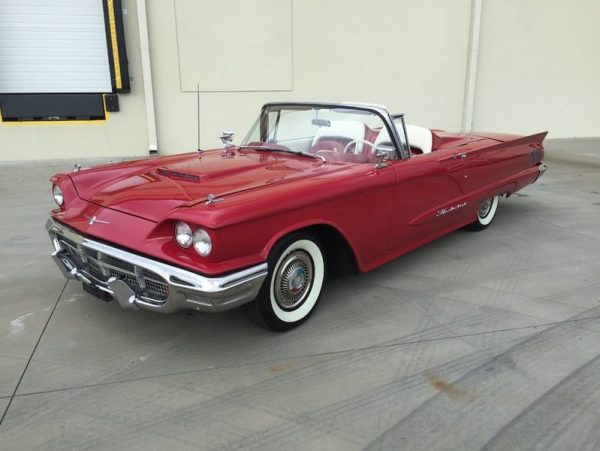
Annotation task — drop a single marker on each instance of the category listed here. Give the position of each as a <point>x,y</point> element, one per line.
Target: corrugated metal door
<point>53,46</point>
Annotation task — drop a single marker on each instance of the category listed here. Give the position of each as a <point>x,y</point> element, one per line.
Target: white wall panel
<point>539,67</point>
<point>408,55</point>
<point>234,45</point>
<point>53,46</point>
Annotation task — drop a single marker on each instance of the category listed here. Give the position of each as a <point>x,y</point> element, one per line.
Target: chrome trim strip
<point>187,290</point>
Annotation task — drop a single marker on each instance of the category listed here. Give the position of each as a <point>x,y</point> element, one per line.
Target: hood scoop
<point>178,175</point>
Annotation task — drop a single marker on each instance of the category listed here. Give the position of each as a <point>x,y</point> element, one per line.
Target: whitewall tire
<point>485,213</point>
<point>292,289</point>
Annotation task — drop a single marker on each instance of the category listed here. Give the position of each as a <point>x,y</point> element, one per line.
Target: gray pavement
<point>477,340</point>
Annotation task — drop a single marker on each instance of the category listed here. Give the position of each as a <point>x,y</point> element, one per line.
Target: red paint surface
<point>266,195</point>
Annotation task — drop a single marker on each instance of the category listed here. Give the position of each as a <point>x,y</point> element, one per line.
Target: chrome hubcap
<point>485,207</point>
<point>293,280</point>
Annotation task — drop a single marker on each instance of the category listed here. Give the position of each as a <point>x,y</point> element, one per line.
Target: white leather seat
<point>418,137</point>
<point>384,137</point>
<point>348,130</point>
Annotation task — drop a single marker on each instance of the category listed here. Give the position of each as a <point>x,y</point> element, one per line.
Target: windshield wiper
<point>263,147</point>
<point>277,149</point>
<point>306,154</point>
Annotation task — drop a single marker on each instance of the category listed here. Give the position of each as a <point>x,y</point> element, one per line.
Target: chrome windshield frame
<point>402,150</point>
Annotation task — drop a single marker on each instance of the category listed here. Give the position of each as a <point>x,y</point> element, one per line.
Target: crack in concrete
<point>10,398</point>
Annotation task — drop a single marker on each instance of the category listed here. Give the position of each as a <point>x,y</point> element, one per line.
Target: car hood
<point>152,188</point>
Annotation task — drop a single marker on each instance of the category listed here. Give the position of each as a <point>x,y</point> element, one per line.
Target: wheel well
<point>339,255</point>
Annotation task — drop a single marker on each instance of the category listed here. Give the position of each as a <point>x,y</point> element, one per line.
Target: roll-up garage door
<point>61,60</point>
<point>53,46</point>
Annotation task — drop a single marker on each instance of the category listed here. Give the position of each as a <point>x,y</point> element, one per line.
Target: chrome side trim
<point>187,290</point>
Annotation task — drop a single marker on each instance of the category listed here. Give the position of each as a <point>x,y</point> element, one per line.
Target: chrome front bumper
<point>140,282</point>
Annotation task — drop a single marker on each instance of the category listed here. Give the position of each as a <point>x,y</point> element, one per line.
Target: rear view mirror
<point>321,122</point>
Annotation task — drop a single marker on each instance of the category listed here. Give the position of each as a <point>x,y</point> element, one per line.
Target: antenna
<point>198,115</point>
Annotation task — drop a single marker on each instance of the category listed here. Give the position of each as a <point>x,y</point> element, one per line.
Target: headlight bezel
<point>58,195</point>
<point>183,229</point>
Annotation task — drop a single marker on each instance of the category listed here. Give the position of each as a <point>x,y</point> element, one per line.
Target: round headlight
<point>202,242</point>
<point>183,234</point>
<point>58,195</point>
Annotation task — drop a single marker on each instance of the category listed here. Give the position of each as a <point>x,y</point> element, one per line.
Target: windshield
<point>334,134</point>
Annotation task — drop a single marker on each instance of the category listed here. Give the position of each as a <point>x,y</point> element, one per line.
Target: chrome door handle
<point>456,156</point>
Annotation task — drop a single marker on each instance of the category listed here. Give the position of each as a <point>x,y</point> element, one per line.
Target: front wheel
<point>291,290</point>
<point>485,213</point>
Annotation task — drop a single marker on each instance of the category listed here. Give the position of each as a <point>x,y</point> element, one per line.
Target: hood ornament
<point>92,220</point>
<point>212,199</point>
<point>227,138</point>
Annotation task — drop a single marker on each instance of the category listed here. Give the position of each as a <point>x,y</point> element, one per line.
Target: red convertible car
<point>313,189</point>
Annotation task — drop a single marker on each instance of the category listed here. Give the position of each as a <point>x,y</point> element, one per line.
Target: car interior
<point>352,141</point>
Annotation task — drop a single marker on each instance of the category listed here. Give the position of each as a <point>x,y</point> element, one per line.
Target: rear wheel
<point>293,287</point>
<point>485,213</point>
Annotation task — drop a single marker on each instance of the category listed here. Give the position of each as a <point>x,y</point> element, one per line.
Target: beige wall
<point>408,55</point>
<point>539,68</point>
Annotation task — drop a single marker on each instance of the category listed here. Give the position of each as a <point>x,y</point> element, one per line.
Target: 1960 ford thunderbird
<point>313,189</point>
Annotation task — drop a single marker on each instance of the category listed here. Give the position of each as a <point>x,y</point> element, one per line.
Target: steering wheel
<point>355,142</point>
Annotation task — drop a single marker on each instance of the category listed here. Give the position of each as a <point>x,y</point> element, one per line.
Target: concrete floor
<point>478,340</point>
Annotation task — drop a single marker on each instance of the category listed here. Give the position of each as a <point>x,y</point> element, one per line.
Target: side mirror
<point>227,138</point>
<point>382,155</point>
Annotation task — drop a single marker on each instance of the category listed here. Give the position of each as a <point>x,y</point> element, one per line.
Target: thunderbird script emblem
<point>93,220</point>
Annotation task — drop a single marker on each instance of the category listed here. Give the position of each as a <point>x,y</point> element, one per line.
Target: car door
<point>428,197</point>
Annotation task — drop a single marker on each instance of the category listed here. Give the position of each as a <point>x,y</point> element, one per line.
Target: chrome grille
<point>120,264</point>
<point>146,284</point>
